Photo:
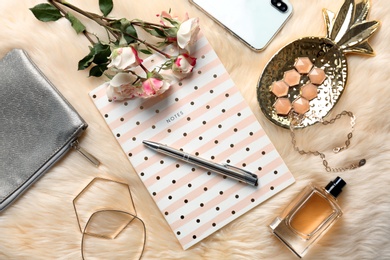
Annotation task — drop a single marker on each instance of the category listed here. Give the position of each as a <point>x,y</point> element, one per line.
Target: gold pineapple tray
<point>347,32</point>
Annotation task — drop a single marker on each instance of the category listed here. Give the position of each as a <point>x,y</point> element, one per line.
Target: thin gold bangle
<point>117,211</point>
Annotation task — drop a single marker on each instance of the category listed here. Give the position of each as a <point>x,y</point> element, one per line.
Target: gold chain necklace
<point>295,119</point>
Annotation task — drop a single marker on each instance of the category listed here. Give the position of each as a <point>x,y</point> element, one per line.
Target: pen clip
<point>228,166</point>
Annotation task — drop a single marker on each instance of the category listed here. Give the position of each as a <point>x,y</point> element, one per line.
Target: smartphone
<point>254,22</point>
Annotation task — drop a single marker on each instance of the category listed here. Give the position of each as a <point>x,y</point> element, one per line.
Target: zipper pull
<point>92,159</point>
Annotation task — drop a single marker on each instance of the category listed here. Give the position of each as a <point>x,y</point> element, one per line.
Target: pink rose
<point>124,58</point>
<point>183,65</point>
<point>154,86</point>
<point>122,87</point>
<point>188,33</point>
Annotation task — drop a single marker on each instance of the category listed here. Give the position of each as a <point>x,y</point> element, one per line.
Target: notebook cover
<point>205,115</point>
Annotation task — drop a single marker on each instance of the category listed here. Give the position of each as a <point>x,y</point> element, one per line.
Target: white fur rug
<point>42,223</point>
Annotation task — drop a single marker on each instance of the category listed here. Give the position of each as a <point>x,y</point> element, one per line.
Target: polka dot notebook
<point>205,115</point>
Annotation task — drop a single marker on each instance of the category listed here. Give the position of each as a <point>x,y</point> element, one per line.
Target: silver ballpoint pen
<point>224,169</point>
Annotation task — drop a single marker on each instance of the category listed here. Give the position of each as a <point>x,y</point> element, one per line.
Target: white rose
<point>188,33</point>
<point>124,58</point>
<point>121,87</point>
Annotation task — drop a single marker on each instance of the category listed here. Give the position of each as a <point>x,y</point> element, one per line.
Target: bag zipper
<point>89,157</point>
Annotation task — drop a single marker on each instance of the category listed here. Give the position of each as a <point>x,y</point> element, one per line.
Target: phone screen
<point>255,22</point>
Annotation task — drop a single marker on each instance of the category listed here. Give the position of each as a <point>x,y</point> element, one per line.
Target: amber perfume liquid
<point>308,217</point>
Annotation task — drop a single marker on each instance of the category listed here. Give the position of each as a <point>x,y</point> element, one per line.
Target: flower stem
<point>150,25</point>
<point>144,68</point>
<point>166,55</point>
<point>89,38</point>
<point>94,17</point>
<point>55,4</point>
<point>102,21</point>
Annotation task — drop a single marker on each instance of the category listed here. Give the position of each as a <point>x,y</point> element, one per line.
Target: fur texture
<point>42,223</point>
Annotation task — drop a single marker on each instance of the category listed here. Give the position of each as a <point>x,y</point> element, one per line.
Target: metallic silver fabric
<point>37,125</point>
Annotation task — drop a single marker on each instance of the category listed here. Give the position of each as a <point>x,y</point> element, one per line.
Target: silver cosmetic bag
<point>37,125</point>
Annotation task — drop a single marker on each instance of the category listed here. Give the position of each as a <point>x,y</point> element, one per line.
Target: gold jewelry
<point>125,208</point>
<point>295,121</point>
<point>134,217</point>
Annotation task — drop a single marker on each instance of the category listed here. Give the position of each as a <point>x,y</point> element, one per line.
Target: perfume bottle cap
<point>335,187</point>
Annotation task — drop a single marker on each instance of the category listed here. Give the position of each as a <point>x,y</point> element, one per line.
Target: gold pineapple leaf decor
<point>317,62</point>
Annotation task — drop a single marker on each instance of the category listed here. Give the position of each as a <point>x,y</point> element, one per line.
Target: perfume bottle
<point>308,217</point>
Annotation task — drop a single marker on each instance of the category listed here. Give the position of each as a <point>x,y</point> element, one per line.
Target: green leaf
<point>99,54</point>
<point>130,30</point>
<point>106,6</point>
<point>102,53</point>
<point>76,24</point>
<point>171,21</point>
<point>160,32</point>
<point>126,29</point>
<point>148,52</point>
<point>98,70</point>
<point>86,61</point>
<point>46,12</point>
<point>155,32</point>
<point>120,24</point>
<point>171,32</point>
